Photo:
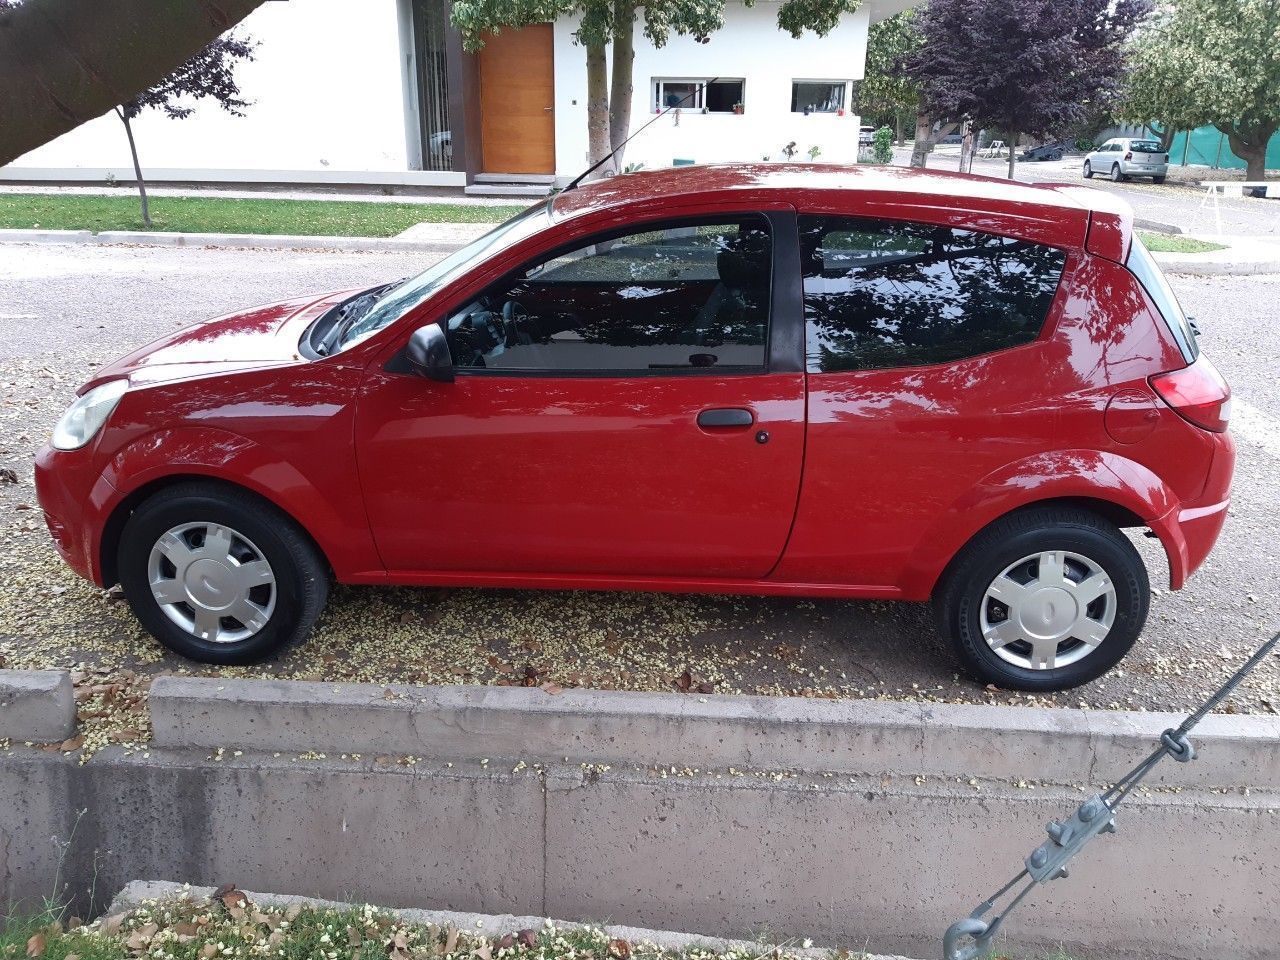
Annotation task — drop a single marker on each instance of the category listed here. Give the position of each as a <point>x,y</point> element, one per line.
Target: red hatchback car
<point>768,379</point>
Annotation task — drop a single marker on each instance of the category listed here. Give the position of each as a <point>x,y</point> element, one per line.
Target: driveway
<point>64,310</point>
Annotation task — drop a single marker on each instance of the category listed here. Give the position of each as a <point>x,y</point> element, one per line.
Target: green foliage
<point>1210,62</point>
<point>883,149</point>
<point>887,92</point>
<point>820,16</point>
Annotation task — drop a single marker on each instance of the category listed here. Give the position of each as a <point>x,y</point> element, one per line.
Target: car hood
<point>260,337</point>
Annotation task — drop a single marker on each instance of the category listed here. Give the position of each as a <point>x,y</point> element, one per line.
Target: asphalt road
<point>64,310</point>
<point>1179,202</point>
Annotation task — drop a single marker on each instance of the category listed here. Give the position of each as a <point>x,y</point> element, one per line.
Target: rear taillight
<point>1197,393</point>
<point>1128,156</point>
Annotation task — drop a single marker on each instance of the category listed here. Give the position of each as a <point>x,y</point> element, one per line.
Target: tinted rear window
<point>888,294</point>
<point>1145,146</point>
<point>1149,274</point>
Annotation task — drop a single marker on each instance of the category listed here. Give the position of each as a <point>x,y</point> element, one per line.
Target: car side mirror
<point>428,354</point>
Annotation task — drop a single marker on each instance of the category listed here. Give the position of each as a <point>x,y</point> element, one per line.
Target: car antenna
<point>658,116</point>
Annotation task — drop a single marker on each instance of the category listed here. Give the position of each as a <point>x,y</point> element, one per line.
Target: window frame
<point>700,83</point>
<point>826,113</point>
<point>1048,325</point>
<point>784,326</point>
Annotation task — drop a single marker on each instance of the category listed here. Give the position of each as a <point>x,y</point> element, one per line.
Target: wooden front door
<point>517,94</point>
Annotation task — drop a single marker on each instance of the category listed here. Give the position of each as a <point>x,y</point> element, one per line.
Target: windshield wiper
<point>349,312</point>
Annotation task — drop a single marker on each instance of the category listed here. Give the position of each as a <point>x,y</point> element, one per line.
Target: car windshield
<point>1145,146</point>
<point>395,302</point>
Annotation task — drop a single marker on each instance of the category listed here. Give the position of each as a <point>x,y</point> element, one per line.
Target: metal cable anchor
<point>970,938</point>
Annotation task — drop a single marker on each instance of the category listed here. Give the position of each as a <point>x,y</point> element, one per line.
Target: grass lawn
<point>1176,243</point>
<point>331,218</point>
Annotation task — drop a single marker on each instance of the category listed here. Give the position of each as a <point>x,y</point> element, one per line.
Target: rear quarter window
<point>880,294</point>
<point>1148,273</point>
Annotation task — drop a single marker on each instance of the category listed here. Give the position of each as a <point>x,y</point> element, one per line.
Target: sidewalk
<point>1243,256</point>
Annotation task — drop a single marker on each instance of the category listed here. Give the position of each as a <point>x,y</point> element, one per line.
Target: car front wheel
<point>218,575</point>
<point>1045,600</point>
<point>1088,170</point>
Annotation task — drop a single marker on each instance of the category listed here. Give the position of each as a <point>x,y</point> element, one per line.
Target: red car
<point>763,379</point>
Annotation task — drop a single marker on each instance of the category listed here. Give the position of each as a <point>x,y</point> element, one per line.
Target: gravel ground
<point>64,310</point>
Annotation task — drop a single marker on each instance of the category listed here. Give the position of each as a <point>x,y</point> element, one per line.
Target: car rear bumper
<point>76,502</point>
<point>1132,169</point>
<point>1190,530</point>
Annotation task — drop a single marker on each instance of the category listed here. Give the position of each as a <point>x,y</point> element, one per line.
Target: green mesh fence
<point>1209,147</point>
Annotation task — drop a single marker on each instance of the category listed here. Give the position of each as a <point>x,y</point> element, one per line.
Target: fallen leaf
<point>620,949</point>
<point>293,912</point>
<point>209,951</point>
<point>527,938</point>
<point>483,952</point>
<point>684,683</point>
<point>222,891</point>
<point>552,688</point>
<point>354,939</point>
<point>450,938</point>
<point>8,476</point>
<point>507,942</point>
<point>705,687</point>
<point>112,924</point>
<point>36,945</point>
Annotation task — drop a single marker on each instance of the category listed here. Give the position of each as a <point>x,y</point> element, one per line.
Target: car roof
<point>812,185</point>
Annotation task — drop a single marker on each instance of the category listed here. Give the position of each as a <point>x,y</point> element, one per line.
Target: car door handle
<point>726,417</point>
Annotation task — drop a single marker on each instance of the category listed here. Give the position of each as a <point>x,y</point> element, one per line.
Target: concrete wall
<point>881,852</point>
<point>328,92</point>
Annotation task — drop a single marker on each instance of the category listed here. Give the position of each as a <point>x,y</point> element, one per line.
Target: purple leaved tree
<point>209,74</point>
<point>1021,66</point>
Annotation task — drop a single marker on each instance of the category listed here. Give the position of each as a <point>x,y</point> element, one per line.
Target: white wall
<point>328,92</point>
<point>749,46</point>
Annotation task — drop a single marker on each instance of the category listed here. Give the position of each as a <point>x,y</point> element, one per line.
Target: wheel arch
<point>159,461</point>
<point>1120,491</point>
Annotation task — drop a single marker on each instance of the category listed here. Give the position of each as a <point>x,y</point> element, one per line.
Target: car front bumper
<point>76,501</point>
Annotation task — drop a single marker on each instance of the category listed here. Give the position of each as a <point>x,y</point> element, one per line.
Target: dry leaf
<point>527,938</point>
<point>484,952</point>
<point>450,938</point>
<point>552,688</point>
<point>223,890</point>
<point>293,912</point>
<point>36,945</point>
<point>112,924</point>
<point>209,951</point>
<point>620,949</point>
<point>354,939</point>
<point>507,942</point>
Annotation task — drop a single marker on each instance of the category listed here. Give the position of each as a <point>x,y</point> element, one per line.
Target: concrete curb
<point>446,241</point>
<point>715,732</point>
<point>486,924</point>
<point>36,706</point>
<point>1195,265</point>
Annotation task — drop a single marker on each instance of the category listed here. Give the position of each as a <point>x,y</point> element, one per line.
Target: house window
<point>818,96</point>
<point>698,94</point>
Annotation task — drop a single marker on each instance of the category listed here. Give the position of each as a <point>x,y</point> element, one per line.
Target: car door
<point>628,405</point>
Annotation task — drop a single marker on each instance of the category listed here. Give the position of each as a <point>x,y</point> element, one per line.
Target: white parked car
<point>1121,157</point>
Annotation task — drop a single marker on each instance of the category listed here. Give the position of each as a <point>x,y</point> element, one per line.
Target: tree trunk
<point>598,109</point>
<point>1013,152</point>
<point>137,168</point>
<point>966,147</point>
<point>1250,145</point>
<point>897,127</point>
<point>63,62</point>
<point>924,140</point>
<point>620,85</point>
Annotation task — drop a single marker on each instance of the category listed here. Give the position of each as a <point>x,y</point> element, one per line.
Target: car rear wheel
<point>219,576</point>
<point>1045,599</point>
<point>1116,175</point>
<point>1088,170</point>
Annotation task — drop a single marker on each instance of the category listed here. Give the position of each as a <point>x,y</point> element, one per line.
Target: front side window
<point>681,296</point>
<point>883,294</point>
<point>818,96</point>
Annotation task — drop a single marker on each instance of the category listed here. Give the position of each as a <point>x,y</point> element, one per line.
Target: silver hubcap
<point>1048,610</point>
<point>212,581</point>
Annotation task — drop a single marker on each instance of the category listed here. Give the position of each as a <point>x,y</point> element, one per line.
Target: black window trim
<point>781,343</point>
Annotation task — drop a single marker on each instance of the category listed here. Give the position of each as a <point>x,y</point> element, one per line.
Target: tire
<point>1056,155</point>
<point>1116,175</point>
<point>1002,557</point>
<point>1157,179</point>
<point>237,540</point>
<point>1088,170</point>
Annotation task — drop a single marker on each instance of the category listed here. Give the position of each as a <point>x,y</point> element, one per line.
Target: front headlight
<point>87,414</point>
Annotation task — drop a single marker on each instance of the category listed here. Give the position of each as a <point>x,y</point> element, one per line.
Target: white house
<point>387,95</point>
